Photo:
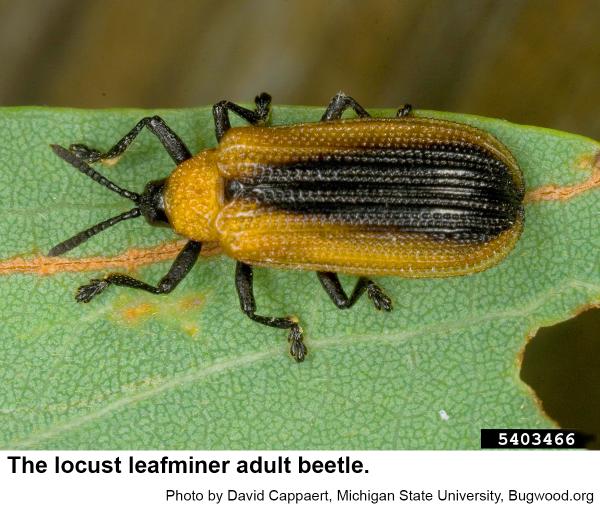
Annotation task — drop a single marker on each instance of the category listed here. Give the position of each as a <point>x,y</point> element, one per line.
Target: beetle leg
<point>244,285</point>
<point>255,117</point>
<point>170,140</point>
<point>403,111</point>
<point>181,266</point>
<point>334,289</point>
<point>339,103</point>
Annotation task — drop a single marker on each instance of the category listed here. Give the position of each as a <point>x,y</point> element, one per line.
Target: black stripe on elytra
<point>464,195</point>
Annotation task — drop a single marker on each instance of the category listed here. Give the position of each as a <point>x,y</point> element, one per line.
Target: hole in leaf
<point>562,365</point>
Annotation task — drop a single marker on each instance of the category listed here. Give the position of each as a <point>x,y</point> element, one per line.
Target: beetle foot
<point>380,299</point>
<point>263,103</point>
<point>297,348</point>
<point>403,111</point>
<point>85,153</point>
<point>86,293</point>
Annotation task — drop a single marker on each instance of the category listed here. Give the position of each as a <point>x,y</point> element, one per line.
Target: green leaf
<point>189,370</point>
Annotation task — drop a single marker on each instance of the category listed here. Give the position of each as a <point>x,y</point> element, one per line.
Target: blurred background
<point>534,62</point>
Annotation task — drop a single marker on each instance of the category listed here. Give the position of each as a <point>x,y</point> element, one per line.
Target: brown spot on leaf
<point>179,312</point>
<point>136,313</point>
<point>129,260</point>
<point>190,302</point>
<point>190,329</point>
<point>555,192</point>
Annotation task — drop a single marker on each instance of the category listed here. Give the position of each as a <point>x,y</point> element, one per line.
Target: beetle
<point>406,196</point>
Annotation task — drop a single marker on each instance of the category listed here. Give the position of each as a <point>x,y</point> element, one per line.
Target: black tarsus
<point>405,110</point>
<point>175,147</point>
<point>181,267</point>
<point>341,102</point>
<point>255,117</point>
<point>244,284</point>
<point>334,289</point>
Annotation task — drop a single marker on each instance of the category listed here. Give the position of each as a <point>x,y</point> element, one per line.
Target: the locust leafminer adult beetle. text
<point>405,196</point>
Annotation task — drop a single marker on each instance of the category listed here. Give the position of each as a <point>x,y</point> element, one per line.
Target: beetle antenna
<point>83,167</point>
<point>81,237</point>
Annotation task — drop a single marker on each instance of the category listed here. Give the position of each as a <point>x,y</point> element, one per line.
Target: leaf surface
<point>190,371</point>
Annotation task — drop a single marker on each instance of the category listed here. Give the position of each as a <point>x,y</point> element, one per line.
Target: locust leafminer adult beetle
<point>406,196</point>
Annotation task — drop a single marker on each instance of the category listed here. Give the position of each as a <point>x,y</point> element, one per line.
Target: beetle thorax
<point>193,197</point>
